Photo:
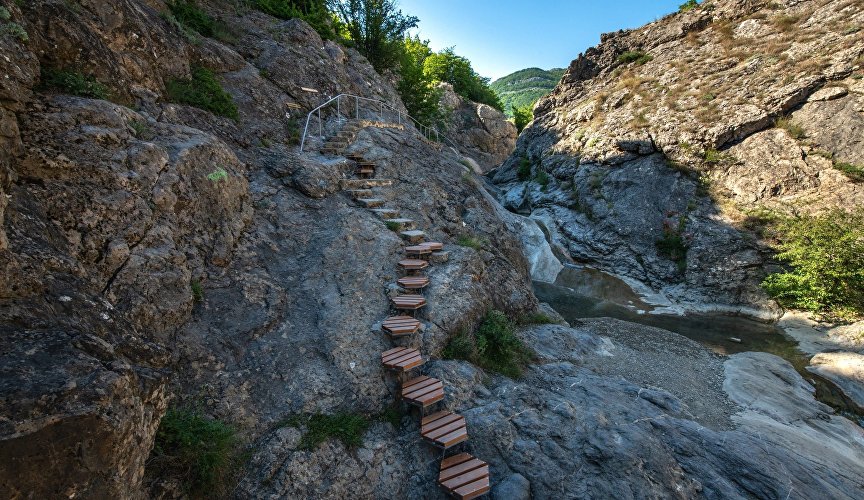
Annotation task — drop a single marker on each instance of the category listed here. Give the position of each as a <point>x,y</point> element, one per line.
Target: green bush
<point>471,242</point>
<point>714,156</point>
<point>314,12</point>
<point>199,451</point>
<point>853,172</point>
<point>542,178</point>
<point>688,5</point>
<point>197,290</point>
<point>202,91</point>
<point>673,245</point>
<point>393,226</point>
<point>537,318</point>
<point>634,56</point>
<point>346,427</point>
<point>5,15</point>
<point>523,172</point>
<point>825,254</point>
<point>217,175</point>
<point>446,66</point>
<point>419,92</point>
<point>795,131</point>
<point>72,82</point>
<point>523,116</point>
<point>188,14</point>
<point>494,346</point>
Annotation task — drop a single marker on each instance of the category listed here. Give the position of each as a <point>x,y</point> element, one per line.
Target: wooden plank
<point>473,490</point>
<point>466,478</point>
<point>414,264</point>
<point>425,393</point>
<point>456,470</point>
<point>435,416</point>
<point>419,380</point>
<point>433,245</point>
<point>455,460</point>
<point>445,430</point>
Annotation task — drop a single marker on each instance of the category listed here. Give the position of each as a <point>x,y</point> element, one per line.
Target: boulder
<point>845,370</point>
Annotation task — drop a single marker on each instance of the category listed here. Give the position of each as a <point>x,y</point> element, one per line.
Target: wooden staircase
<point>462,475</point>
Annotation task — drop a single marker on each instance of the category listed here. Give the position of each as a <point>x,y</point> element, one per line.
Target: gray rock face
<point>845,369</point>
<point>543,264</point>
<point>624,155</point>
<point>480,131</point>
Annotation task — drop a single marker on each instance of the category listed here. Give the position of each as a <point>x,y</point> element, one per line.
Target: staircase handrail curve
<point>424,130</point>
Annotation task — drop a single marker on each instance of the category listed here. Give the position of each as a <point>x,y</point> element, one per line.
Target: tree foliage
<point>525,87</point>
<point>826,258</point>
<point>376,28</point>
<point>522,116</point>
<point>419,94</point>
<point>314,12</point>
<point>446,66</point>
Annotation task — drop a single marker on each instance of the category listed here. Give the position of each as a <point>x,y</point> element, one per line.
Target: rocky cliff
<point>158,254</point>
<point>478,131</point>
<point>685,127</point>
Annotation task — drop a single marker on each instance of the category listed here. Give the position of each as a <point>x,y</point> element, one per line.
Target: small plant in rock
<point>199,451</point>
<point>536,318</point>
<point>470,241</point>
<point>197,290</point>
<point>688,5</point>
<point>72,82</point>
<point>853,172</point>
<point>218,175</point>
<point>785,23</point>
<point>393,226</point>
<point>634,56</point>
<point>795,131</point>
<point>203,91</point>
<point>346,427</point>
<point>15,30</point>
<point>542,178</point>
<point>523,172</point>
<point>713,157</point>
<point>494,346</point>
<point>5,15</point>
<point>674,243</point>
<point>141,130</point>
<point>188,14</point>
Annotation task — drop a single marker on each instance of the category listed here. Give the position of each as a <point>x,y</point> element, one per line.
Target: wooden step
<point>400,326</point>
<point>354,156</point>
<point>464,476</point>
<point>364,171</point>
<point>401,224</point>
<point>444,429</point>
<point>408,302</point>
<point>360,193</point>
<point>417,251</point>
<point>401,359</point>
<point>366,164</point>
<point>413,236</point>
<point>364,183</point>
<point>423,391</point>
<point>371,202</point>
<point>433,245</point>
<point>413,282</point>
<point>386,213</point>
<point>413,264</point>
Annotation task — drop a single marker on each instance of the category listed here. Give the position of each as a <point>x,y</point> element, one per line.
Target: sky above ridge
<point>503,36</point>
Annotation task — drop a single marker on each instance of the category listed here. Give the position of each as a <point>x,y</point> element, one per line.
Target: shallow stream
<point>581,292</point>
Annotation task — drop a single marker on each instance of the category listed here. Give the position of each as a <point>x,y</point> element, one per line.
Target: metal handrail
<point>425,130</point>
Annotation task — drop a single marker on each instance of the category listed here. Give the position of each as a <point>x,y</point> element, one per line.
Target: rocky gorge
<point>157,255</point>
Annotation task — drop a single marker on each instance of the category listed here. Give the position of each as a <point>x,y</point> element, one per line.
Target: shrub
<point>542,178</point>
<point>636,56</point>
<point>523,172</point>
<point>346,427</point>
<point>688,5</point>
<point>853,172</point>
<point>393,226</point>
<point>197,290</point>
<point>825,254</point>
<point>188,14</point>
<point>673,245</point>
<point>471,242</point>
<point>72,82</point>
<point>714,156</point>
<point>785,23</point>
<point>5,15</point>
<point>447,66</point>
<point>202,91</point>
<point>199,451</point>
<point>141,130</point>
<point>314,12</point>
<point>795,131</point>
<point>537,318</point>
<point>218,175</point>
<point>16,31</point>
<point>522,116</point>
<point>494,346</point>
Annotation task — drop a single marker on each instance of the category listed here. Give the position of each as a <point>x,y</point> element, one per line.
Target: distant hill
<point>525,86</point>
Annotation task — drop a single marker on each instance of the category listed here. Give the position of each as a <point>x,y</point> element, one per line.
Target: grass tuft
<point>217,175</point>
<point>74,83</point>
<point>197,290</point>
<point>853,172</point>
<point>795,131</point>
<point>494,346</point>
<point>203,91</point>
<point>346,427</point>
<point>634,56</point>
<point>470,241</point>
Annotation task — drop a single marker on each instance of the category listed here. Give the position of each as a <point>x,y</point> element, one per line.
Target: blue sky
<point>503,36</point>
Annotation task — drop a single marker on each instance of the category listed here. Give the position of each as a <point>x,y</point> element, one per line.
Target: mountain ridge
<point>524,87</point>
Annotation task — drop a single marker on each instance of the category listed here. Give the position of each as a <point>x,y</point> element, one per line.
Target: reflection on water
<point>587,293</point>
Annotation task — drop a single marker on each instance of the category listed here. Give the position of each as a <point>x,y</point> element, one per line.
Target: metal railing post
<point>357,104</point>
<point>320,127</point>
<point>338,110</point>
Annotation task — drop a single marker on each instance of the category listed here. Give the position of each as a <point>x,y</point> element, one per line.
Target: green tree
<point>522,116</point>
<point>826,258</point>
<point>419,93</point>
<point>446,66</point>
<point>314,12</point>
<point>376,28</point>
